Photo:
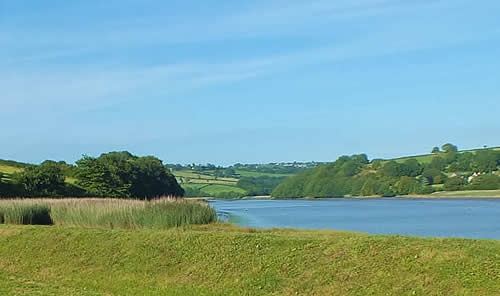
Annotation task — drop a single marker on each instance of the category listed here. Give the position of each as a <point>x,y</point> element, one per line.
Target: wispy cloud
<point>264,18</point>
<point>69,87</point>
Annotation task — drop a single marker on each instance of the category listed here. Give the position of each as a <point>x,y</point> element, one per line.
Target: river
<point>457,217</point>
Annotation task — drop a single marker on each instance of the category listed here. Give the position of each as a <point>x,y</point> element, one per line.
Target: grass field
<point>468,193</point>
<point>9,169</point>
<point>259,174</point>
<point>192,175</point>
<point>189,177</point>
<point>221,259</point>
<point>426,158</point>
<point>214,189</point>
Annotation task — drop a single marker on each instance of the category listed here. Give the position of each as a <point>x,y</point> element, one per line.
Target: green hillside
<point>426,158</point>
<point>444,170</point>
<point>221,259</point>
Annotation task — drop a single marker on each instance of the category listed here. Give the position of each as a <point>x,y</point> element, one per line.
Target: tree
<point>121,174</point>
<point>392,169</point>
<point>486,161</point>
<point>435,150</point>
<point>407,185</point>
<point>486,182</point>
<point>437,162</point>
<point>433,176</point>
<point>463,163</point>
<point>449,148</point>
<point>361,158</point>
<point>43,181</point>
<point>150,179</point>
<point>455,183</point>
<point>412,167</point>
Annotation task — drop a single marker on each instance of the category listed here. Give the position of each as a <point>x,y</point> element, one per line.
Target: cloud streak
<point>96,84</point>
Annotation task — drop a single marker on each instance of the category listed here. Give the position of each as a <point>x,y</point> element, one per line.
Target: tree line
<point>114,174</point>
<point>355,175</point>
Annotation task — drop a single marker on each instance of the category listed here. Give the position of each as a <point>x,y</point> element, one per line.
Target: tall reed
<point>110,213</point>
<point>25,213</point>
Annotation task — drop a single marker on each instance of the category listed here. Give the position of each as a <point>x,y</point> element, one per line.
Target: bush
<point>455,183</point>
<point>486,182</point>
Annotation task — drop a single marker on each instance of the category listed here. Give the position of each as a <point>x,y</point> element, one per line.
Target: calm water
<point>467,218</point>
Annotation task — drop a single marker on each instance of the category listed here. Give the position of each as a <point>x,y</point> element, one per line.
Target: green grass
<point>9,169</point>
<point>468,193</point>
<point>192,175</point>
<point>244,173</point>
<point>221,259</point>
<point>214,189</point>
<point>427,158</point>
<point>109,213</point>
<point>421,158</point>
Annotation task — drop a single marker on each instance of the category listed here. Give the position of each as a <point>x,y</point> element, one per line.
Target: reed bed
<point>109,213</point>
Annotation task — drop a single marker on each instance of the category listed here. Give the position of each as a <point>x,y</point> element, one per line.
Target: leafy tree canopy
<point>44,180</point>
<point>448,147</point>
<point>121,174</point>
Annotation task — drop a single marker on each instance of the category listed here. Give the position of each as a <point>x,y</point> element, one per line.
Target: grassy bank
<point>110,213</point>
<point>221,259</point>
<point>461,194</point>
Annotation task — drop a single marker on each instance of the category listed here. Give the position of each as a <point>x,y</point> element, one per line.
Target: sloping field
<point>244,173</point>
<point>426,158</point>
<point>9,169</point>
<point>220,259</point>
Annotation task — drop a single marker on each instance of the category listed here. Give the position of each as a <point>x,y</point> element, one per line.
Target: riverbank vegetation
<point>109,213</point>
<point>220,259</point>
<point>121,174</point>
<point>355,175</point>
<point>115,174</point>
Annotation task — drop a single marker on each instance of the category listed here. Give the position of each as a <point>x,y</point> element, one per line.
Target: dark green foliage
<point>42,181</point>
<point>354,176</point>
<point>407,185</point>
<point>464,163</point>
<point>412,168</point>
<point>262,185</point>
<point>435,150</point>
<point>486,161</point>
<point>449,148</point>
<point>336,179</point>
<point>433,176</point>
<point>455,183</point>
<point>486,182</point>
<point>121,174</point>
<point>437,162</point>
<point>293,187</point>
<point>194,192</point>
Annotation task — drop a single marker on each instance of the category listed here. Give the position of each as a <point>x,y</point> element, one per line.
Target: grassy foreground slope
<point>221,259</point>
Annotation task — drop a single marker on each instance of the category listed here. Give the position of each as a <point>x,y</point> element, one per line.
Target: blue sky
<point>247,81</point>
